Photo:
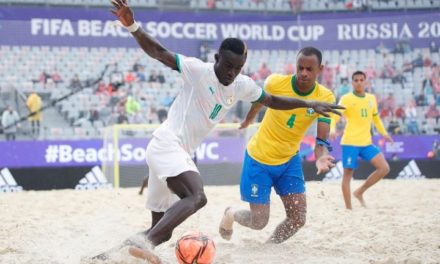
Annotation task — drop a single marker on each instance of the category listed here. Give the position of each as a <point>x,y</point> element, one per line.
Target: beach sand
<point>400,225</point>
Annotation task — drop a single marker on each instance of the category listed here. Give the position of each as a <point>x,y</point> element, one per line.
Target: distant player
<point>175,187</point>
<point>360,112</point>
<point>272,159</point>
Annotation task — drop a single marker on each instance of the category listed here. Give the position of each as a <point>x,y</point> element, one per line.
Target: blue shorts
<point>350,155</point>
<point>257,179</point>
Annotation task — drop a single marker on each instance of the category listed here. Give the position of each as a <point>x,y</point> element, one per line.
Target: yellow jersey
<point>281,131</point>
<point>360,112</point>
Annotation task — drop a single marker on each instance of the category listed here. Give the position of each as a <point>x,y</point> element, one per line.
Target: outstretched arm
<point>286,103</point>
<point>250,117</point>
<point>150,45</point>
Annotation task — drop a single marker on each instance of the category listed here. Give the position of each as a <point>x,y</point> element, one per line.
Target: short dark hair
<point>235,45</point>
<point>358,73</point>
<point>308,51</point>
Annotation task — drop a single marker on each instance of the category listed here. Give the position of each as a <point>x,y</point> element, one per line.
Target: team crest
<point>230,100</point>
<point>370,104</point>
<point>254,190</point>
<point>310,111</point>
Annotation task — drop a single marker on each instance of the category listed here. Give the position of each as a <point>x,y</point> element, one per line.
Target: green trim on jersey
<point>358,95</point>
<point>324,120</point>
<point>179,67</point>
<point>261,97</point>
<point>297,91</point>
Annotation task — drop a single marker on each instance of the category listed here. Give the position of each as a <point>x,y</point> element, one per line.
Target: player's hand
<point>324,163</point>
<point>244,124</point>
<point>388,139</point>
<point>123,12</point>
<point>323,108</point>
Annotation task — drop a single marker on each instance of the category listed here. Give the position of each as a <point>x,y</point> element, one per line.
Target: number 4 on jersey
<point>291,121</point>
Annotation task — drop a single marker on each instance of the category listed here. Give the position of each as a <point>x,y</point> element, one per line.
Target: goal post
<point>125,147</point>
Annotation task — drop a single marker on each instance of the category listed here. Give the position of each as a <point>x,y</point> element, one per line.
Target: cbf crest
<point>254,190</point>
<point>310,111</point>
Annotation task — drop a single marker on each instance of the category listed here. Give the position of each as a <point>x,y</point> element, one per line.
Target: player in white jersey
<point>175,187</point>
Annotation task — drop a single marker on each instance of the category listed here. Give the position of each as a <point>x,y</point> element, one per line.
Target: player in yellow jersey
<point>360,112</point>
<point>272,159</point>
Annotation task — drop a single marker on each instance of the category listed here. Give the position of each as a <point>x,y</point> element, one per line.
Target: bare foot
<point>225,228</point>
<point>144,254</point>
<point>358,195</point>
<point>106,255</point>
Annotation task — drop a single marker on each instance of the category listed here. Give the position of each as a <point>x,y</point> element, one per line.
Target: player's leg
<point>371,153</point>
<point>33,127</point>
<point>296,210</point>
<point>38,127</point>
<point>290,186</point>
<point>155,218</point>
<point>188,186</point>
<point>255,187</point>
<point>144,184</point>
<point>345,186</point>
<point>349,163</point>
<point>256,218</point>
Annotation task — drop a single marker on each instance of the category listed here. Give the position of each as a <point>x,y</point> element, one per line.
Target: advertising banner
<point>225,150</point>
<point>184,32</point>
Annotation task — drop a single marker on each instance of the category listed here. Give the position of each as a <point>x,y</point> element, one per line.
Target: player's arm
<point>324,161</point>
<point>250,117</point>
<point>287,103</point>
<point>380,127</point>
<point>378,123</point>
<point>150,45</point>
<point>335,119</point>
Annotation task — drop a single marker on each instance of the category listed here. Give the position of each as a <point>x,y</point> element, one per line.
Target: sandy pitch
<point>400,225</point>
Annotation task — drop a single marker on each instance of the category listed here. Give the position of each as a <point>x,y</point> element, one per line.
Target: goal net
<point>219,156</point>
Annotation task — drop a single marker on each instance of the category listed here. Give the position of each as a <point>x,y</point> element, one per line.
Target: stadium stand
<point>77,110</point>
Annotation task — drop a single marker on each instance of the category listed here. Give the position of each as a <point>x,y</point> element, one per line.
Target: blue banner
<point>183,32</point>
<point>68,153</point>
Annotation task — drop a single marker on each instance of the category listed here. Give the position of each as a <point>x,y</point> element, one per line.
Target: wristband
<point>324,143</point>
<point>133,27</point>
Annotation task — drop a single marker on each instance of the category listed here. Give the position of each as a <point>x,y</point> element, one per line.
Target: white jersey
<point>202,102</point>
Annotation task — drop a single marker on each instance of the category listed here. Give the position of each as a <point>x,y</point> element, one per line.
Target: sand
<point>400,225</point>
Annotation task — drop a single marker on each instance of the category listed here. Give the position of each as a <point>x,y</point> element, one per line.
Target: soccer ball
<point>195,247</point>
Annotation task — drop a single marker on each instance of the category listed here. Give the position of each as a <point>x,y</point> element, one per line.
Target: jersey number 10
<point>215,111</point>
